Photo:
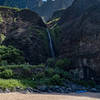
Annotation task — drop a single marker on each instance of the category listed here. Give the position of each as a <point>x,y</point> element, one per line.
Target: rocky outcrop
<point>24,30</point>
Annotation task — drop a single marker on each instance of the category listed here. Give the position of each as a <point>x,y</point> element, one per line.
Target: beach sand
<point>72,96</point>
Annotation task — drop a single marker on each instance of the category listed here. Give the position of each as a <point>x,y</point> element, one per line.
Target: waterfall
<point>51,44</point>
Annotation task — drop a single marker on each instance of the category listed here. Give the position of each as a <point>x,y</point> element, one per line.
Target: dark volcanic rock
<point>80,38</point>
<point>25,30</point>
<point>77,9</point>
<point>7,90</point>
<point>1,91</point>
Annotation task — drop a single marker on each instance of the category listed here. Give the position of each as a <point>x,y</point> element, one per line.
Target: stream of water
<point>51,44</point>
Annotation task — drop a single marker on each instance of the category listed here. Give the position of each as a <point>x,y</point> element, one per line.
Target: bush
<point>24,70</point>
<point>7,74</point>
<point>51,62</point>
<point>67,75</point>
<point>13,83</point>
<point>11,55</point>
<point>40,66</point>
<point>56,80</point>
<point>63,63</point>
<point>49,72</point>
<point>2,68</point>
<point>39,75</point>
<point>3,62</point>
<point>59,63</point>
<point>10,84</point>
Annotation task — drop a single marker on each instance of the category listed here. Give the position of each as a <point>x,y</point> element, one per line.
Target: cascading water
<point>51,44</point>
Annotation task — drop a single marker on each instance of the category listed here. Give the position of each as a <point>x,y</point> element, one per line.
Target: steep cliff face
<point>80,36</point>
<point>77,9</point>
<point>81,39</point>
<point>24,30</point>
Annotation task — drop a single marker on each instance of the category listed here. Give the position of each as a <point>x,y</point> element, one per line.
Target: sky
<point>44,0</point>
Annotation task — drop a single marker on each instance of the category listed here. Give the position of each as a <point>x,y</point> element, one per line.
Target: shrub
<point>49,72</point>
<point>7,74</point>
<point>67,75</point>
<point>56,80</point>
<point>24,70</point>
<point>10,84</point>
<point>2,68</point>
<point>51,62</point>
<point>63,63</point>
<point>13,83</point>
<point>59,63</point>
<point>40,66</point>
<point>3,62</point>
<point>11,55</point>
<point>39,75</point>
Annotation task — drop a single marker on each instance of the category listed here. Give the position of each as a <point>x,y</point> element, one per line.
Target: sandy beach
<point>72,96</point>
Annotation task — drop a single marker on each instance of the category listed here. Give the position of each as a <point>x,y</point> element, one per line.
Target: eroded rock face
<point>80,37</point>
<point>24,30</point>
<point>77,9</point>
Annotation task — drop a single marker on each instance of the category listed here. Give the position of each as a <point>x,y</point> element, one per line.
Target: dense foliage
<point>11,55</point>
<point>26,75</point>
<point>6,74</point>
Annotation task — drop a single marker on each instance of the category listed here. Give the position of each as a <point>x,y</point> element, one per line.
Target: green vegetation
<point>13,76</point>
<point>49,72</point>
<point>56,80</point>
<point>54,21</point>
<point>26,75</point>
<point>63,64</point>
<point>11,55</point>
<point>1,19</point>
<point>6,74</point>
<point>20,71</point>
<point>13,83</point>
<point>2,38</point>
<point>14,72</point>
<point>67,75</point>
<point>40,74</point>
<point>14,8</point>
<point>51,62</point>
